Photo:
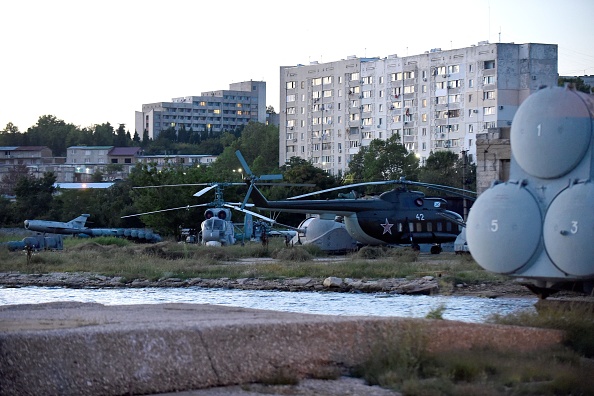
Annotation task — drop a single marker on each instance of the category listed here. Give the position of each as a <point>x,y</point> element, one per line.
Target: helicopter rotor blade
<point>174,185</point>
<point>244,164</point>
<point>249,172</point>
<point>448,189</point>
<point>288,184</point>
<point>345,187</point>
<point>164,210</point>
<point>205,190</point>
<point>268,219</point>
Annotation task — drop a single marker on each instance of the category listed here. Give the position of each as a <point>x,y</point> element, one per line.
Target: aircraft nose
<point>27,224</point>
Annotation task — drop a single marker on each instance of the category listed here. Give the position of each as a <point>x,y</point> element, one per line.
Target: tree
<point>270,110</point>
<point>383,160</point>
<point>103,135</point>
<point>136,138</point>
<point>11,178</point>
<point>145,138</point>
<point>578,82</point>
<point>449,169</point>
<point>51,132</point>
<point>152,199</point>
<point>10,136</point>
<point>97,177</point>
<point>120,137</point>
<point>34,196</point>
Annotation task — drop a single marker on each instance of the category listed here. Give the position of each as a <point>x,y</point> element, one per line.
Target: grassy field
<point>119,257</point>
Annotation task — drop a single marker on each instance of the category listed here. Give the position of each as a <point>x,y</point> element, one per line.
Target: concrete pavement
<point>92,349</point>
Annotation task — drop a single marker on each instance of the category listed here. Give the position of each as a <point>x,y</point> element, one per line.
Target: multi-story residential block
<point>215,111</point>
<point>439,100</point>
<point>37,159</point>
<point>186,160</point>
<point>25,155</point>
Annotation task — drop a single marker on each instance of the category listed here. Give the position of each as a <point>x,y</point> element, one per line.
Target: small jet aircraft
<point>74,226</point>
<point>77,227</point>
<point>396,217</point>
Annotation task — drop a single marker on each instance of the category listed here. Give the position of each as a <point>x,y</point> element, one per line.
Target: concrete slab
<point>92,349</point>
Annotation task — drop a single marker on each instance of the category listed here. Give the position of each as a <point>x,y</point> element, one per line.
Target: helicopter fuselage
<point>395,217</point>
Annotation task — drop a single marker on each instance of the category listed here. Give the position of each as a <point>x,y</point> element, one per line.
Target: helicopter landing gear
<point>436,249</point>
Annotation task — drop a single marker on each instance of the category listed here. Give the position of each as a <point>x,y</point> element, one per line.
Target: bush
<point>292,254</point>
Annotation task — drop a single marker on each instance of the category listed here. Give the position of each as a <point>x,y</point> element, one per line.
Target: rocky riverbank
<point>426,285</point>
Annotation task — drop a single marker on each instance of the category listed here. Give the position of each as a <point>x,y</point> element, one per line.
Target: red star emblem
<point>387,227</point>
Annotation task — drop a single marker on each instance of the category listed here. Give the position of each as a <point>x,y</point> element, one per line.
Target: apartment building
<point>439,100</point>
<point>216,111</point>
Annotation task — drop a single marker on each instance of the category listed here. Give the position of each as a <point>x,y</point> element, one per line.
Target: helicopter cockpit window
<point>419,227</point>
<point>419,201</point>
<point>222,215</point>
<point>449,226</point>
<point>429,227</point>
<point>439,227</point>
<point>214,224</point>
<point>399,227</point>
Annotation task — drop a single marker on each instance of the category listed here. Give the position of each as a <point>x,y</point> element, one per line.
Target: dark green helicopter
<point>396,217</point>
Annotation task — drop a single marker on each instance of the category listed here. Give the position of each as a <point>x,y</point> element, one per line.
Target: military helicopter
<point>396,217</point>
<point>217,229</point>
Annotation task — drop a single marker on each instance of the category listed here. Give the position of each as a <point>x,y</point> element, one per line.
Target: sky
<point>93,62</point>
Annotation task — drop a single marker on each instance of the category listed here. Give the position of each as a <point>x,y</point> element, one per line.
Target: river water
<point>462,308</point>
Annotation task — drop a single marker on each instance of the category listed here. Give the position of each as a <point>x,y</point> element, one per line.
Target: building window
<point>470,68</point>
<point>488,80</point>
<point>396,76</point>
<point>291,84</point>
<point>453,68</point>
<point>470,83</point>
<point>490,64</point>
<point>470,128</point>
<point>489,110</point>
<point>488,95</point>
<point>424,117</point>
<point>290,98</point>
<point>424,89</point>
